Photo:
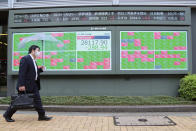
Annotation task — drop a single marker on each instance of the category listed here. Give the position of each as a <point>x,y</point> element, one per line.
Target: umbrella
<point>38,36</point>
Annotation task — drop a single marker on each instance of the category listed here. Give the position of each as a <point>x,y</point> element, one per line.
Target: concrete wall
<point>99,85</point>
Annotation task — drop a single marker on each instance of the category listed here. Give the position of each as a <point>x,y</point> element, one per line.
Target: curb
<point>139,108</point>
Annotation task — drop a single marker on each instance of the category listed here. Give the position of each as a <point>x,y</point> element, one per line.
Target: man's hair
<point>33,47</point>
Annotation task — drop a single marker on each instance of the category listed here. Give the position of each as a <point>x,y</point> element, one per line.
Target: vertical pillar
<point>10,85</point>
<point>115,2</point>
<point>11,3</point>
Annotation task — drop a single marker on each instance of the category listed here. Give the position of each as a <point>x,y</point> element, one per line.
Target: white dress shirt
<point>34,62</point>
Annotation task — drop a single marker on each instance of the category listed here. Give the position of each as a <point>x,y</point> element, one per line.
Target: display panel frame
<point>115,47</point>
<point>68,29</point>
<point>154,28</point>
<point>187,20</point>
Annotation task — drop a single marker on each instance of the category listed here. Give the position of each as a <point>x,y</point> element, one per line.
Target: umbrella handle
<point>43,53</point>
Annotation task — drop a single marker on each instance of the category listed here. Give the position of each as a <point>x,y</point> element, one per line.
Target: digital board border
<point>150,50</point>
<point>115,47</point>
<point>62,51</point>
<point>69,29</point>
<point>155,28</point>
<point>108,22</point>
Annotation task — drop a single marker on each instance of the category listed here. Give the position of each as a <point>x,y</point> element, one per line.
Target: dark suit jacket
<point>27,74</point>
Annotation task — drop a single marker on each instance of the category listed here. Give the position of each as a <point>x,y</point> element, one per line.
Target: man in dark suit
<point>29,81</point>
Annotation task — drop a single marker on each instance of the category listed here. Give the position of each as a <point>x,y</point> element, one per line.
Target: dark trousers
<point>38,105</point>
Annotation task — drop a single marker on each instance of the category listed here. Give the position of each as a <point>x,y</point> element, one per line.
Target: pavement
<point>93,121</point>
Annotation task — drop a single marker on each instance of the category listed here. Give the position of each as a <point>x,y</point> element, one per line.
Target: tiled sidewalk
<point>28,122</point>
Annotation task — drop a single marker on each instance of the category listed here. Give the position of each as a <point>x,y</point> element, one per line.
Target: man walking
<point>29,81</point>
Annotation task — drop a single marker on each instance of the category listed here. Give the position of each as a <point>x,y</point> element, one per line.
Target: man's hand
<point>43,68</point>
<point>22,88</point>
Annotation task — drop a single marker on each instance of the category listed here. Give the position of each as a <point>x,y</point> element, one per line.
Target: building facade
<point>115,47</point>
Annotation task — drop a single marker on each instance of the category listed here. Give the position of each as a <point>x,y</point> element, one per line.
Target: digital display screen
<point>153,50</point>
<point>82,50</point>
<point>99,16</point>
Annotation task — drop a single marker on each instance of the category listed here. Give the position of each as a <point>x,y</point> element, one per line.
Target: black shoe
<point>8,119</point>
<point>44,118</point>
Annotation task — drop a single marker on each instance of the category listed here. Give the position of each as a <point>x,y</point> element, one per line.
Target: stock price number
<point>95,44</point>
